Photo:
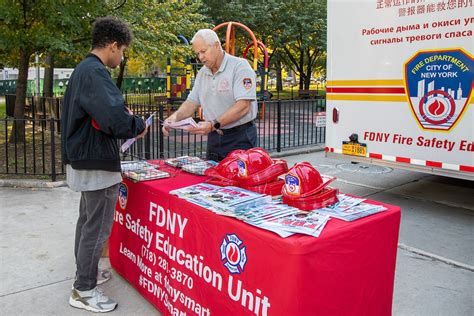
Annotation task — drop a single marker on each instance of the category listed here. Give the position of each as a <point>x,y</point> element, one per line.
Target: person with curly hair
<point>93,118</point>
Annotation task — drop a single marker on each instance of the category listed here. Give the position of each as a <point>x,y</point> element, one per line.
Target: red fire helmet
<point>226,172</point>
<point>303,180</point>
<point>256,167</point>
<point>270,188</point>
<point>323,198</point>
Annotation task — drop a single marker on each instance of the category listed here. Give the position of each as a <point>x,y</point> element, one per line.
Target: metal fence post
<point>53,151</point>
<point>147,143</point>
<point>161,139</point>
<point>279,126</point>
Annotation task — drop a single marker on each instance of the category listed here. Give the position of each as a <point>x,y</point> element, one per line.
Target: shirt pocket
<point>223,85</point>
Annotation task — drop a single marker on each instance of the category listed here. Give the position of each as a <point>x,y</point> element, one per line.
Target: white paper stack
<point>178,162</point>
<point>185,124</point>
<point>137,165</point>
<point>144,175</point>
<point>308,223</point>
<point>141,171</point>
<point>199,167</point>
<point>221,199</point>
<point>350,208</point>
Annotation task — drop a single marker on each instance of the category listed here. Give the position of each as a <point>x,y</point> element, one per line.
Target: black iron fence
<point>35,148</point>
<point>36,107</point>
<point>30,147</point>
<point>281,124</point>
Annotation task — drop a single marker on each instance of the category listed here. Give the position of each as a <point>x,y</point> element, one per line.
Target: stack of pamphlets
<point>264,213</point>
<point>221,200</point>
<point>255,209</point>
<point>142,171</point>
<point>199,167</point>
<point>144,175</point>
<point>350,208</point>
<point>308,223</point>
<point>185,124</point>
<point>137,165</point>
<point>178,162</point>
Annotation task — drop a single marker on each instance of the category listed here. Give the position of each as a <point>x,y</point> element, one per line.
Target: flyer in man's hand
<point>185,124</point>
<point>126,145</point>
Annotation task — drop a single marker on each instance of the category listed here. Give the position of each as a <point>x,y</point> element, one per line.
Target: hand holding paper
<point>126,145</point>
<point>185,124</point>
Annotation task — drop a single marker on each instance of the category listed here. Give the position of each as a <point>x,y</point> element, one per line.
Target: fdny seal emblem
<point>439,85</point>
<point>242,168</point>
<point>247,83</point>
<point>233,254</point>
<point>123,195</point>
<point>292,184</point>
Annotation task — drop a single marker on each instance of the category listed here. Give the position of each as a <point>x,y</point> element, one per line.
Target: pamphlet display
<point>187,260</point>
<point>256,209</point>
<point>191,164</point>
<point>220,199</point>
<point>178,162</point>
<point>285,220</point>
<point>351,208</point>
<point>199,167</point>
<point>142,171</point>
<point>306,206</point>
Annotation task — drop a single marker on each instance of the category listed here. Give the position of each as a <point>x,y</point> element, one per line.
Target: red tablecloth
<point>176,255</point>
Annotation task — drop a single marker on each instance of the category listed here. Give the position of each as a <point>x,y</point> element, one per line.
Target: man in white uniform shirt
<point>225,88</point>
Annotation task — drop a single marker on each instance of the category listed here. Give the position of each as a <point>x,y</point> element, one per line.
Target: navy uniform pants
<point>240,137</point>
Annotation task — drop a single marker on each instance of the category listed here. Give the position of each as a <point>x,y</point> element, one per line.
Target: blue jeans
<point>96,216</point>
<point>219,146</point>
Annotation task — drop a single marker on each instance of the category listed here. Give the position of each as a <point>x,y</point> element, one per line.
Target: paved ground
<point>435,261</point>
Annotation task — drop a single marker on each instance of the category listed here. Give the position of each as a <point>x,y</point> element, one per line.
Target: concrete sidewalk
<point>37,256</point>
<point>37,231</point>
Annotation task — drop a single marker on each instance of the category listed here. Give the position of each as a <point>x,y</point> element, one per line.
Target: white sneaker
<point>103,276</point>
<point>93,300</point>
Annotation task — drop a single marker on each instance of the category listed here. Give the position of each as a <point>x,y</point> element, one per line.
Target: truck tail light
<point>335,115</point>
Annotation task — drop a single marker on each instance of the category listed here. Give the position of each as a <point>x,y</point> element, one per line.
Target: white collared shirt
<point>216,93</point>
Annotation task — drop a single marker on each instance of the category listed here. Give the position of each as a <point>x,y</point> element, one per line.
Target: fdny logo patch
<point>292,184</point>
<point>123,195</point>
<point>439,85</point>
<point>233,254</point>
<point>247,83</point>
<point>242,168</point>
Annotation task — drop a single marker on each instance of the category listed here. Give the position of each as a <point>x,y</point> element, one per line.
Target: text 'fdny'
<point>171,221</point>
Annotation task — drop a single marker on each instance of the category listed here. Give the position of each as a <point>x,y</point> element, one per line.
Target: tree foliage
<point>156,25</point>
<point>29,27</point>
<point>40,26</point>
<point>62,27</point>
<point>294,31</point>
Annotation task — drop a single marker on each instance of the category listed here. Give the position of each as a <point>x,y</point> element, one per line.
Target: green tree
<point>30,27</point>
<point>302,36</point>
<point>62,28</point>
<point>156,25</point>
<point>293,30</point>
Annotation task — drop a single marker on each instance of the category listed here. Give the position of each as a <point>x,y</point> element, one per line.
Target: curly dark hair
<point>109,29</point>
